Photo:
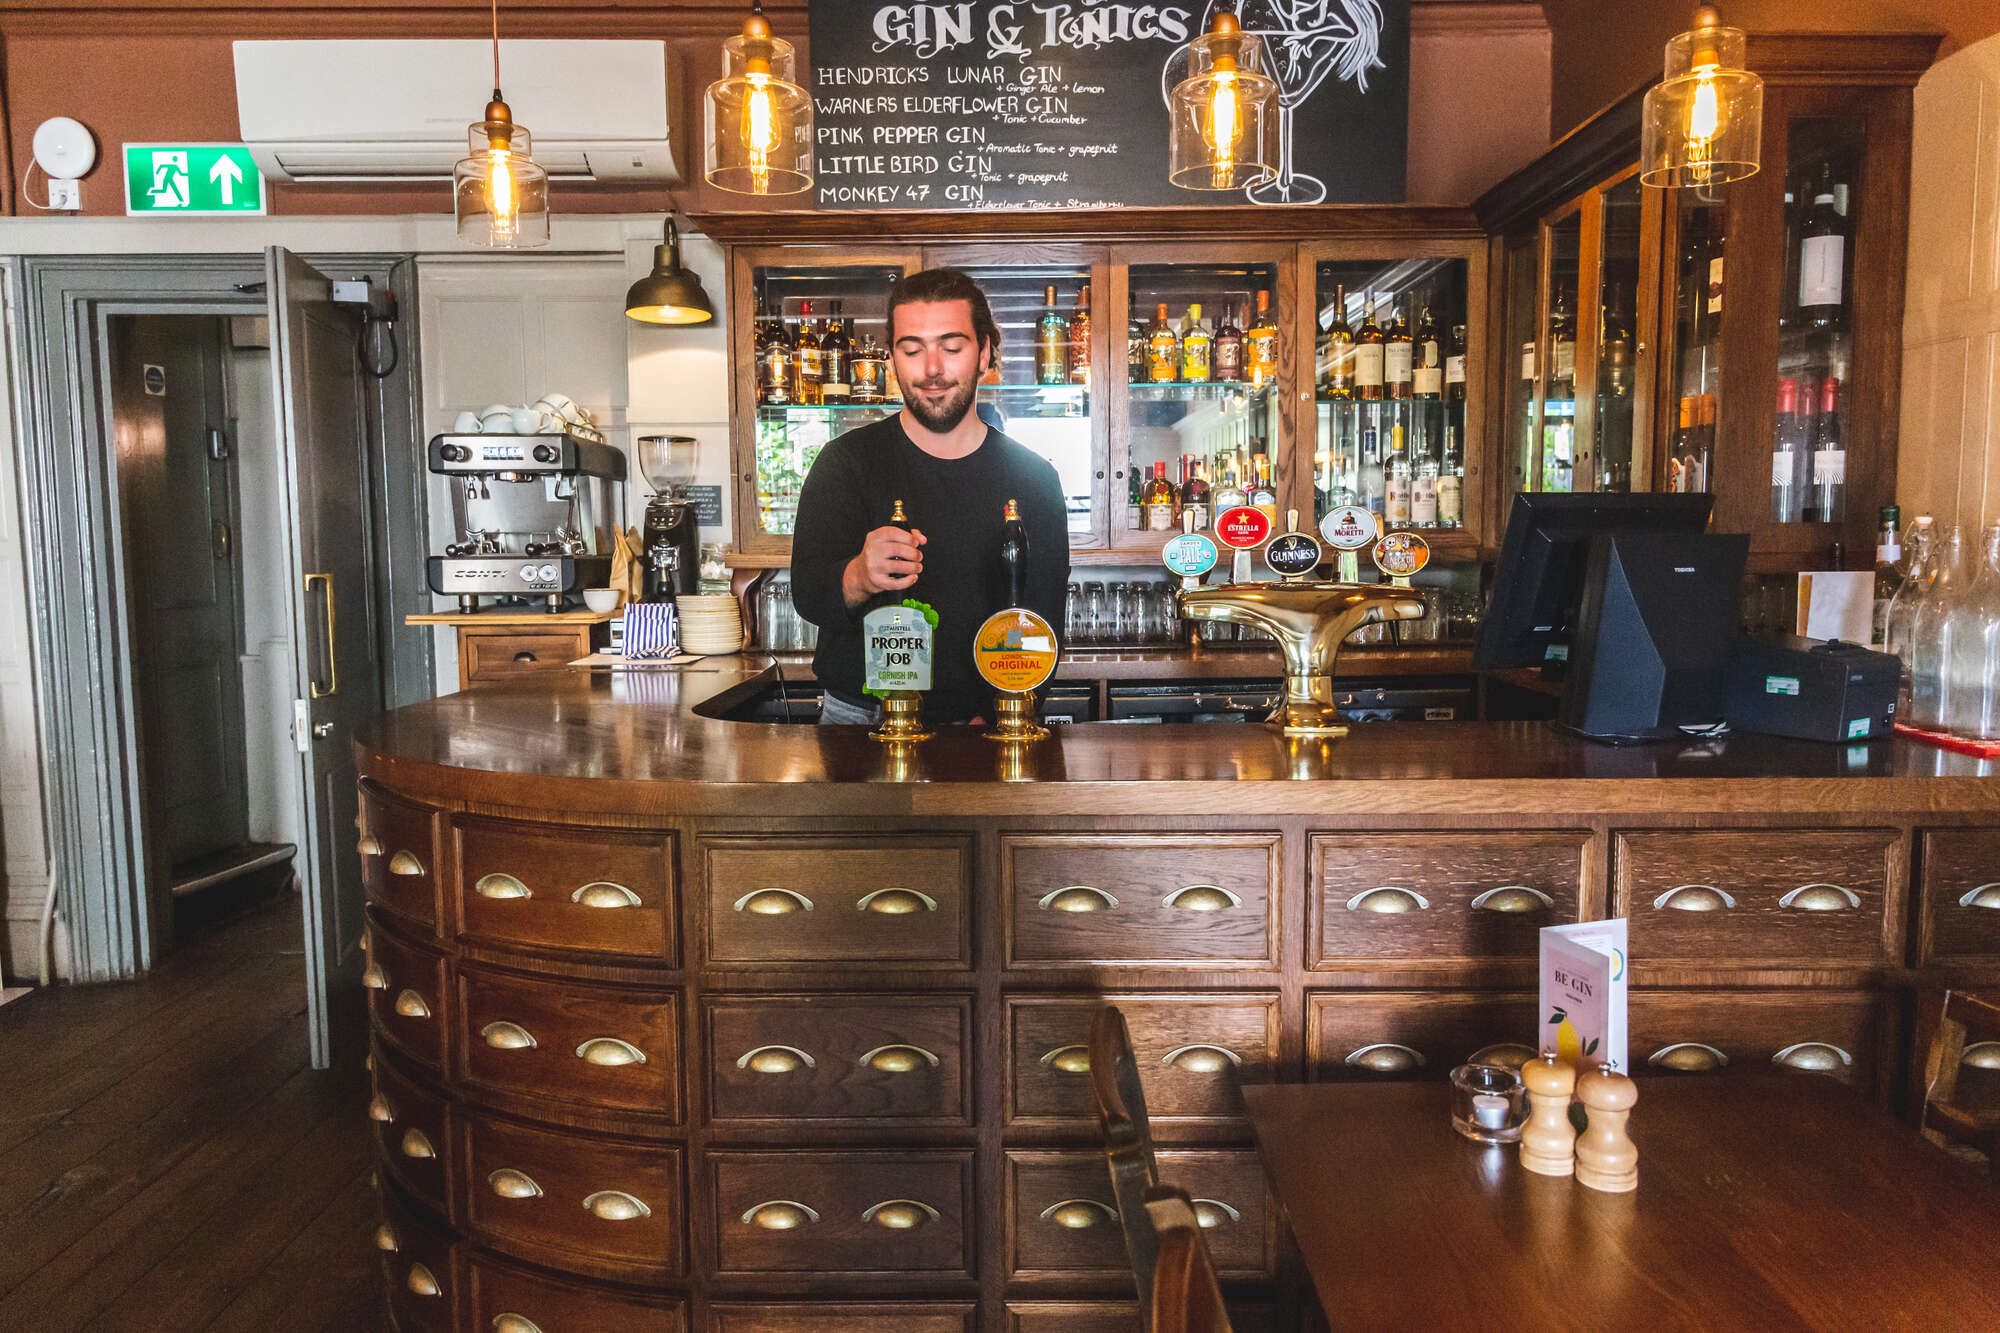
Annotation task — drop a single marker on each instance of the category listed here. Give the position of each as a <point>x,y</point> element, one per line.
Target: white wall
<point>1949,452</point>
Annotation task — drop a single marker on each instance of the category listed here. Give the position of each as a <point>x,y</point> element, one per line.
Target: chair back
<point>1967,1031</point>
<point>1128,1140</point>
<point>1186,1294</point>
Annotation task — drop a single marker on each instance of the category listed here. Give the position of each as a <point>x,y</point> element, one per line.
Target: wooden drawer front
<point>1831,1031</point>
<point>854,1212</point>
<point>504,656</point>
<point>1194,1052</point>
<point>1961,896</point>
<point>588,1044</point>
<point>1179,899</point>
<point>843,1317</point>
<point>506,1299</point>
<point>840,1058</point>
<point>412,1134</point>
<point>570,889</point>
<point>570,1202</point>
<point>1777,896</point>
<point>399,861</point>
<point>1440,897</point>
<point>1411,1034</point>
<point>1062,1218</point>
<point>416,1260</point>
<point>786,899</point>
<point>1114,1317</point>
<point>406,995</point>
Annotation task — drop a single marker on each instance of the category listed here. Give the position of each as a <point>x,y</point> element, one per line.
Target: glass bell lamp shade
<point>500,197</point>
<point>759,126</point>
<point>670,294</point>
<point>1703,123</point>
<point>1225,112</point>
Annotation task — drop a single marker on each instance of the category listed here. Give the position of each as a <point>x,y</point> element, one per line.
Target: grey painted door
<point>169,411</point>
<point>321,407</point>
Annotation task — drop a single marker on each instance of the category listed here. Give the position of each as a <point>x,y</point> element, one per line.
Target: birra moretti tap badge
<point>898,640</point>
<point>1015,650</point>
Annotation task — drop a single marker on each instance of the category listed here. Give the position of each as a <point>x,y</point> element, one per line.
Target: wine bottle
<point>1454,365</point>
<point>1829,457</point>
<point>1822,259</point>
<point>1789,461</point>
<point>1427,372</point>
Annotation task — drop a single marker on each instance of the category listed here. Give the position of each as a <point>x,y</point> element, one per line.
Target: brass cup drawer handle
<point>604,895</point>
<point>1689,1057</point>
<point>511,1184</point>
<point>422,1281</point>
<point>509,1322</point>
<point>380,1111</point>
<point>1821,897</point>
<point>1202,1058</point>
<point>610,1052</point>
<point>1077,898</point>
<point>409,1004</point>
<point>1079,1214</point>
<point>500,885</point>
<point>406,863</point>
<point>900,1214</point>
<point>775,1060</point>
<point>1389,900</point>
<point>1068,1059</point>
<point>773,902</point>
<point>1212,1213</point>
<point>1385,1057</point>
<point>896,902</point>
<point>385,1239</point>
<point>369,845</point>
<point>1986,895</point>
<point>1695,898</point>
<point>780,1215</point>
<point>417,1145</point>
<point>615,1206</point>
<point>373,977</point>
<point>1981,1055</point>
<point>1814,1057</point>
<point>1202,898</point>
<point>1514,899</point>
<point>898,1058</point>
<point>1505,1054</point>
<point>505,1036</point>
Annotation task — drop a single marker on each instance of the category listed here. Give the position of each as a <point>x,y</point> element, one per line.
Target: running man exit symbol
<point>192,180</point>
<point>170,180</point>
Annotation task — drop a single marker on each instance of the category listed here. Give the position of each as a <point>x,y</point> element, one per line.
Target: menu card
<point>1583,994</point>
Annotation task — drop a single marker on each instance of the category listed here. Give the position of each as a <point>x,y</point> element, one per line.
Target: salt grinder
<point>1606,1158</point>
<point>1548,1140</point>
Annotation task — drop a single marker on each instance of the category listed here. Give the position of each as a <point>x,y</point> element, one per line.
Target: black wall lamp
<point>670,294</point>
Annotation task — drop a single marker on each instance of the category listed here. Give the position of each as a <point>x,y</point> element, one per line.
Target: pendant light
<point>500,197</point>
<point>759,120</point>
<point>1704,120</point>
<point>1225,112</point>
<point>669,294</point>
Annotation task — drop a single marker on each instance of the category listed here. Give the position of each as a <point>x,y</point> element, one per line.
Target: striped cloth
<point>650,630</point>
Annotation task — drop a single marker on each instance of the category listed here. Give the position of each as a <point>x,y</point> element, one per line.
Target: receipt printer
<point>1813,690</point>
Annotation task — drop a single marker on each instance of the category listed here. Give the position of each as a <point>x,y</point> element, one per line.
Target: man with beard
<point>954,475</point>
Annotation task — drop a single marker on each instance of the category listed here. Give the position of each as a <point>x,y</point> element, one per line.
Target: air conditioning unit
<point>398,110</point>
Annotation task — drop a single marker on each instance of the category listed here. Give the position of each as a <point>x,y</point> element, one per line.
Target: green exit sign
<point>192,180</point>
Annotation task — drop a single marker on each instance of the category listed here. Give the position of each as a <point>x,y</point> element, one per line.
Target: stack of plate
<point>710,624</point>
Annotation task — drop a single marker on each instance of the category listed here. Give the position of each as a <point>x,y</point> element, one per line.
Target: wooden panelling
<point>1410,1034</point>
<point>399,857</point>
<point>906,1213</point>
<point>788,898</point>
<point>862,1059</point>
<point>1063,1221</point>
<point>843,1317</point>
<point>1960,909</point>
<point>1118,899</point>
<point>413,1133</point>
<point>496,1291</point>
<point>1833,1032</point>
<point>1116,1317</point>
<point>407,996</point>
<point>566,889</point>
<point>571,1043</point>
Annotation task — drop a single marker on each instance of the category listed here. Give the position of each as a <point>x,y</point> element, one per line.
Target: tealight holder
<point>1489,1104</point>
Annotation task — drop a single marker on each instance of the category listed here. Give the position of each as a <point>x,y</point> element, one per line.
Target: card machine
<point>1811,689</point>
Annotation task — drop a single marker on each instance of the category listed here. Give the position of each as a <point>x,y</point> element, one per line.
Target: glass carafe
<point>1929,634</point>
<point>1899,621</point>
<point>1972,633</point>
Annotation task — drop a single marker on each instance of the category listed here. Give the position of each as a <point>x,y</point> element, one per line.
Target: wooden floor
<point>170,1160</point>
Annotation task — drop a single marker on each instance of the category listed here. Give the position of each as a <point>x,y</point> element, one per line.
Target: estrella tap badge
<point>898,643</point>
<point>1349,527</point>
<point>1242,528</point>
<point>1401,554</point>
<point>1015,650</point>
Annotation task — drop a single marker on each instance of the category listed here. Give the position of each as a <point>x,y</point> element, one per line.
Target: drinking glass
<point>1132,613</point>
<point>1073,614</point>
<point>1096,626</point>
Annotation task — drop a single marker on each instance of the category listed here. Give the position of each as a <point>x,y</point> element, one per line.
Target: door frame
<point>85,696</point>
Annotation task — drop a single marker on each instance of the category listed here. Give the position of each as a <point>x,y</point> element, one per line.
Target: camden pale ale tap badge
<point>1015,650</point>
<point>898,652</point>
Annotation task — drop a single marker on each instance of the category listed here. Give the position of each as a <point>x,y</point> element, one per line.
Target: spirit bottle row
<point>1062,342</point>
<point>1189,351</point>
<point>1386,359</point>
<point>811,362</point>
<point>1404,462</point>
<point>1158,501</point>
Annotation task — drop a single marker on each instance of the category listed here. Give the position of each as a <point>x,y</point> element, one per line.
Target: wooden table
<point>1764,1202</point>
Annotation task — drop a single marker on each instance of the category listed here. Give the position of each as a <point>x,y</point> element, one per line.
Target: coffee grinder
<point>668,534</point>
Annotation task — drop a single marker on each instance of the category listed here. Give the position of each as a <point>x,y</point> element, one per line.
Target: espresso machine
<point>668,534</point>
<point>535,515</point>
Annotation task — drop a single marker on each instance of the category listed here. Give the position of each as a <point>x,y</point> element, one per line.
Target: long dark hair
<point>948,284</point>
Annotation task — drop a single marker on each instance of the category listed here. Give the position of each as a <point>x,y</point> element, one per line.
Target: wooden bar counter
<point>680,1022</point>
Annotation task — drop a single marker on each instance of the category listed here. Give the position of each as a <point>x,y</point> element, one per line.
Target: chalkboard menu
<point>1062,103</point>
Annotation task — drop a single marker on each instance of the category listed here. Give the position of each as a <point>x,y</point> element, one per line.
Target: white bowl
<point>601,600</point>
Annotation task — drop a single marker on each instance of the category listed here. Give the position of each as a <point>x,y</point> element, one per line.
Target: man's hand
<point>890,560</point>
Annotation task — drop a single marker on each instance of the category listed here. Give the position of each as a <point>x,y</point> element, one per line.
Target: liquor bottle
<point>835,356</point>
<point>1397,480</point>
<point>1135,352</point>
<point>774,365</point>
<point>1703,473</point>
<point>1789,456</point>
<point>1263,495</point>
<point>1454,365</point>
<point>1163,349</point>
<point>1562,347</point>
<point>1195,492</point>
<point>1427,375</point>
<point>1614,360</point>
<point>1159,503</point>
<point>807,370</point>
<point>1822,259</point>
<point>1051,342</point>
<point>1339,381</point>
<point>1888,570</point>
<point>1079,339</point>
<point>1228,353</point>
<point>1372,478</point>
<point>1014,554</point>
<point>1829,458</point>
<point>1135,489</point>
<point>1230,493</point>
<point>1368,355</point>
<point>1197,348</point>
<point>1451,482</point>
<point>869,371</point>
<point>1260,345</point>
<point>1398,355</point>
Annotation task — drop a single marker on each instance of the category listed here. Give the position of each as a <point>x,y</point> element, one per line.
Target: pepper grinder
<point>1548,1140</point>
<point>1606,1157</point>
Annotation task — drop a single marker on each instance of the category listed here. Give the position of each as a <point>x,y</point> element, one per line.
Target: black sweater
<point>958,505</point>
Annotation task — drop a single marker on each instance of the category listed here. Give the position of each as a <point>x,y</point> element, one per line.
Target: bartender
<point>954,474</point>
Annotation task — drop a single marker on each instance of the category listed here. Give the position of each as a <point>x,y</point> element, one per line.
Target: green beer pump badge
<point>898,647</point>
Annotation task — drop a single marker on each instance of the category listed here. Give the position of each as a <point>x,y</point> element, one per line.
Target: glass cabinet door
<point>1809,445</point>
<point>1520,359</point>
<point>1695,378</point>
<point>1615,392</point>
<point>1555,462</point>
